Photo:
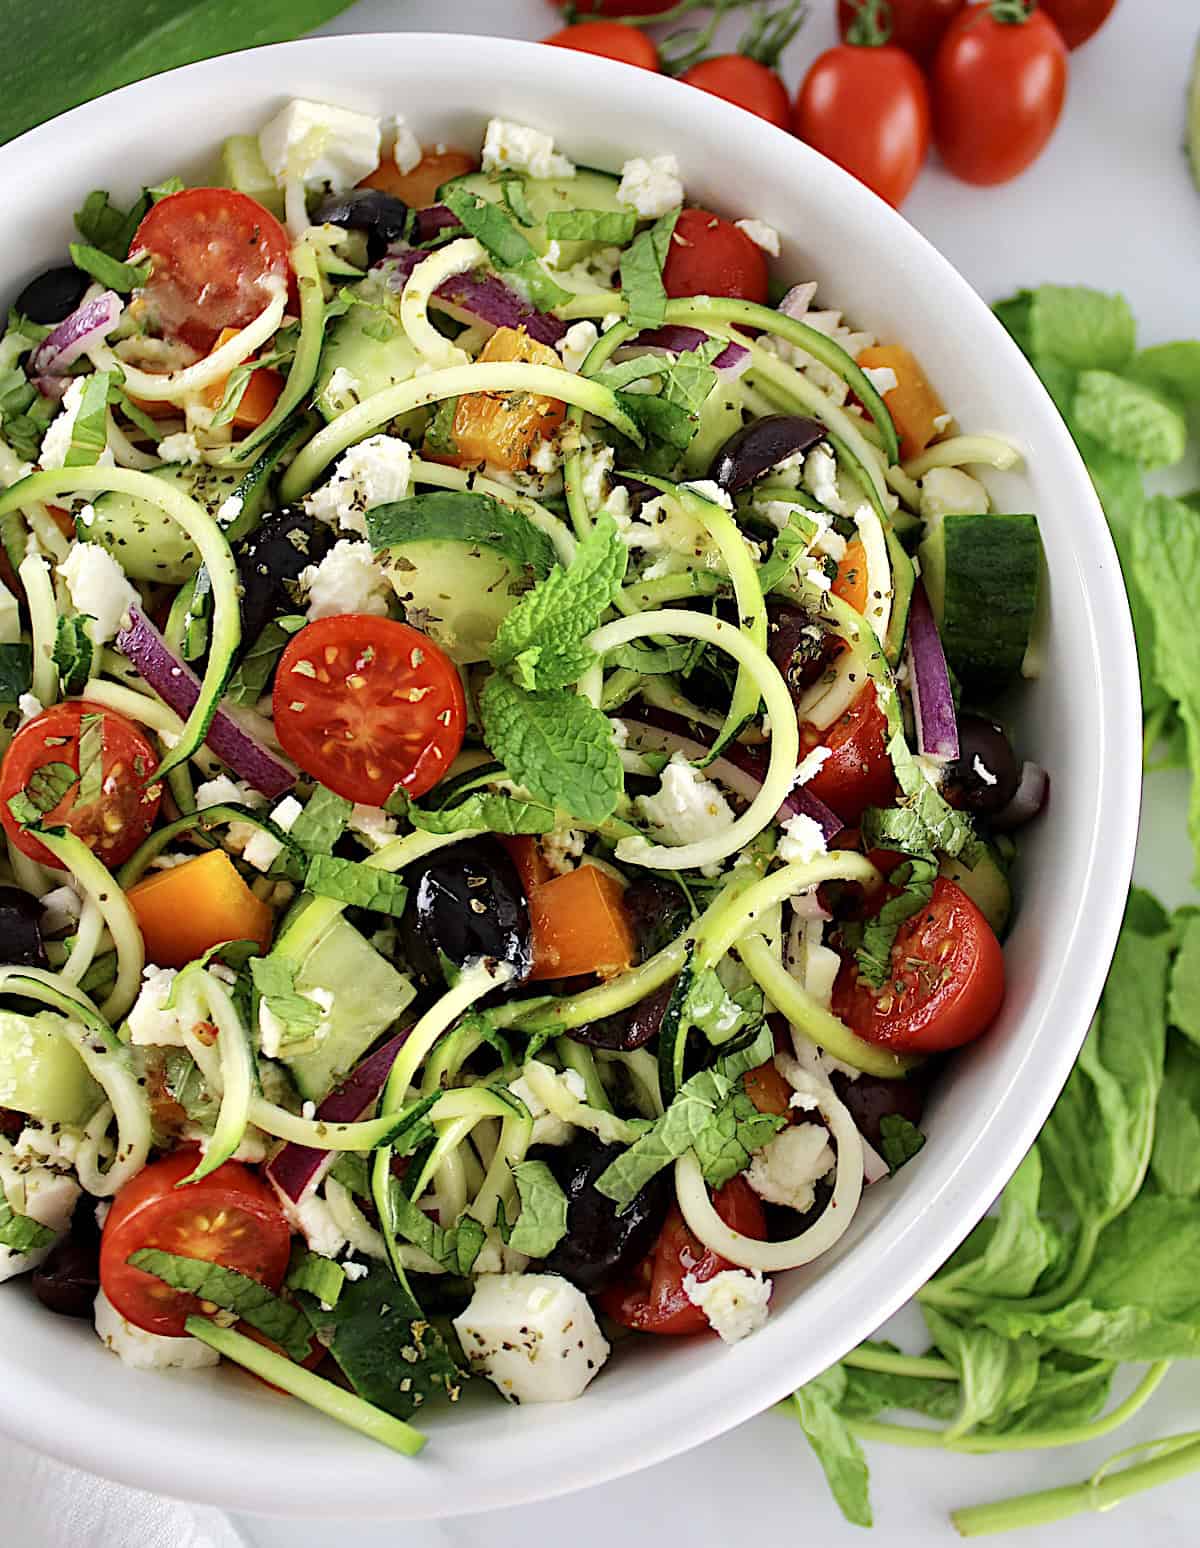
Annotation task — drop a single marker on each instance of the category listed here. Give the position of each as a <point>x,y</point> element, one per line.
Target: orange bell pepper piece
<point>912,402</point>
<point>418,188</point>
<point>188,908</point>
<point>503,427</point>
<point>257,401</point>
<point>768,1090</point>
<point>580,926</point>
<point>851,582</point>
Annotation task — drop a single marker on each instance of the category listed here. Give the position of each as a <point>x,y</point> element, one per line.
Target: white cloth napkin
<point>49,1505</point>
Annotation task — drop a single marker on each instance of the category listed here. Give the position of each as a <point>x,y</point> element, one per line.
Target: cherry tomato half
<point>365,704</point>
<point>917,25</point>
<point>418,188</point>
<point>711,257</point>
<point>610,40</point>
<point>1078,20</point>
<point>945,985</point>
<point>998,91</point>
<point>112,822</point>
<point>211,252</point>
<point>229,1217</point>
<point>745,82</point>
<point>653,1299</point>
<point>858,772</point>
<point>867,108</point>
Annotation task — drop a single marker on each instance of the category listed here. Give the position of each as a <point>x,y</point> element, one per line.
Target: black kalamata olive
<point>68,1280</point>
<point>21,929</point>
<point>381,215</point>
<point>467,905</point>
<point>600,1243</point>
<point>53,295</point>
<point>761,445</point>
<point>658,911</point>
<point>628,1029</point>
<point>985,775</point>
<point>796,645</point>
<point>870,1100</point>
<point>285,543</point>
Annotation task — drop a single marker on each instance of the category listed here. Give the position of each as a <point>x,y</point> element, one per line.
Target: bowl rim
<point>57,1423</point>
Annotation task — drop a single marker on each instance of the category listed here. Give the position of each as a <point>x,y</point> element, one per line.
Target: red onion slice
<point>929,683</point>
<point>177,685</point>
<point>86,325</point>
<point>678,339</point>
<point>298,1171</point>
<point>482,298</point>
<point>433,221</point>
<point>1030,797</point>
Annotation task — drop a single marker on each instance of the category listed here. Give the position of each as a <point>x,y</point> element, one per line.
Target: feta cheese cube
<point>734,1301</point>
<point>761,235</point>
<point>376,471</point>
<point>575,345</point>
<point>373,824</point>
<point>313,1219</point>
<point>787,1169</point>
<point>820,478</point>
<point>802,840</point>
<point>182,447</point>
<point>151,1023</point>
<point>98,587</point>
<point>687,807</point>
<point>651,187</point>
<point>61,909</point>
<point>223,791</point>
<point>263,849</point>
<point>320,145</point>
<point>522,149</point>
<point>534,1336</point>
<point>347,580</point>
<point>50,1199</point>
<point>148,1351</point>
<point>406,149</point>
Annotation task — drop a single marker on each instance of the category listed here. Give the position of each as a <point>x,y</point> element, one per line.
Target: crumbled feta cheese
<point>320,144</point>
<point>56,1148</point>
<point>148,1351</point>
<point>230,509</point>
<point>522,149</point>
<point>534,1336</point>
<point>355,1271</point>
<point>264,849</point>
<point>181,447</point>
<point>341,392</point>
<point>376,471</point>
<point>707,489</point>
<point>308,1110</point>
<point>562,848</point>
<point>982,770</point>
<point>223,791</point>
<point>820,478</point>
<point>788,1167</point>
<point>882,378</point>
<point>950,491</point>
<point>596,466</point>
<point>802,840</point>
<point>373,824</point>
<point>406,151</point>
<point>56,442</point>
<point>610,320</point>
<point>50,1199</point>
<point>313,1219</point>
<point>30,706</point>
<point>576,344</point>
<point>651,187</point>
<point>687,808</point>
<point>151,1022</point>
<point>620,732</point>
<point>98,587</point>
<point>942,423</point>
<point>761,235</point>
<point>272,1034</point>
<point>61,909</point>
<point>545,458</point>
<point>734,1302</point>
<point>347,580</point>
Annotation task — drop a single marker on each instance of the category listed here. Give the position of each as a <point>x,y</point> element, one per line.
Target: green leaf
<point>1136,421</point>
<point>916,877</point>
<point>512,192</point>
<point>507,247</point>
<point>275,979</point>
<point>869,1393</point>
<point>73,652</point>
<point>613,227</point>
<point>839,1453</point>
<point>1184,1004</point>
<point>1082,328</point>
<point>319,1276</point>
<point>322,822</point>
<point>109,272</point>
<point>91,759</point>
<point>70,55</point>
<point>1005,1255</point>
<point>252,1302</point>
<point>930,824</point>
<point>456,1249</point>
<point>89,429</point>
<point>363,886</point>
<point>168,186</point>
<point>249,681</point>
<point>185,1085</point>
<point>48,785</point>
<point>542,1223</point>
<point>636,369</point>
<point>1175,1160</point>
<point>105,226</point>
<point>691,379</point>
<point>901,1140</point>
<point>1070,1391</point>
<point>21,1233</point>
<point>556,617</point>
<point>1170,368</point>
<point>660,421</point>
<point>996,1374</point>
<point>641,273</point>
<point>16,672</point>
<point>490,810</point>
<point>556,745</point>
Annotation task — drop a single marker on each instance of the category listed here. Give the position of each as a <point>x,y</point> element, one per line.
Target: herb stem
<point>890,1364</point>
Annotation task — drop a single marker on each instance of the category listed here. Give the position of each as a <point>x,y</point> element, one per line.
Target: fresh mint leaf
<point>1183,1006</point>
<point>363,886</point>
<point>73,652</point>
<point>836,1447</point>
<point>275,980</point>
<point>254,671</point>
<point>901,1140</point>
<point>89,430</point>
<point>516,201</point>
<point>439,432</point>
<point>869,1393</point>
<point>1173,369</point>
<point>996,1373</point>
<point>320,1277</point>
<point>1175,1159</point>
<point>711,1009</point>
<point>455,1249</point>
<point>542,1222</point>
<point>1082,328</point>
<point>1136,421</point>
<point>21,1233</point>
<point>507,247</point>
<point>109,272</point>
<point>641,272</point>
<point>556,745</point>
<point>91,759</point>
<point>1069,1391</point>
<point>252,1302</point>
<point>691,379</point>
<point>636,369</point>
<point>917,876</point>
<point>613,227</point>
<point>1007,1254</point>
<point>946,830</point>
<point>48,785</point>
<point>168,186</point>
<point>322,822</point>
<point>185,1085</point>
<point>108,228</point>
<point>486,809</point>
<point>662,421</point>
<point>561,611</point>
<point>16,672</point>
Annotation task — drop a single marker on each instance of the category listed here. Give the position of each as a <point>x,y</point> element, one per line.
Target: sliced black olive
<point>21,929</point>
<point>985,775</point>
<point>285,543</point>
<point>870,1100</point>
<point>629,1029</point>
<point>466,906</point>
<point>382,216</point>
<point>761,445</point>
<point>600,1244</point>
<point>796,645</point>
<point>53,295</point>
<point>68,1280</point>
<point>658,911</point>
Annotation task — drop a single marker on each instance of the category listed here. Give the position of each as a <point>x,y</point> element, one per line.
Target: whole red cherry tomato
<point>999,80</point>
<point>745,82</point>
<point>1078,20</point>
<point>709,256</point>
<point>917,25</point>
<point>610,40</point>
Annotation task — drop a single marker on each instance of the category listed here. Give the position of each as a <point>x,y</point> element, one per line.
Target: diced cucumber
<point>986,884</point>
<point>369,995</point>
<point>981,574</point>
<point>587,190</point>
<point>40,1072</point>
<point>243,168</point>
<point>904,578</point>
<point>368,344</point>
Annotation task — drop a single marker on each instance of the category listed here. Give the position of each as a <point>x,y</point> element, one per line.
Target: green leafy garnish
<point>46,788</point>
<point>89,429</point>
<point>363,886</point>
<point>614,227</point>
<point>492,811</point>
<point>456,1249</point>
<point>16,672</point>
<point>507,247</point>
<point>109,272</point>
<point>557,745</point>
<point>73,651</point>
<point>253,673</point>
<point>91,759</point>
<point>835,1445</point>
<point>275,980</point>
<point>21,1233</point>
<point>542,1222</point>
<point>901,1140</point>
<point>641,273</point>
<point>252,1302</point>
<point>320,1277</point>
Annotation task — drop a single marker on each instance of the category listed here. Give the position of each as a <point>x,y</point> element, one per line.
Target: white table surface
<point>1110,204</point>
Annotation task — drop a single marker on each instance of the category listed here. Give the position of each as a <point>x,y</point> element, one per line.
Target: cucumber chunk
<point>587,190</point>
<point>981,574</point>
<point>40,1072</point>
<point>986,884</point>
<point>243,168</point>
<point>367,346</point>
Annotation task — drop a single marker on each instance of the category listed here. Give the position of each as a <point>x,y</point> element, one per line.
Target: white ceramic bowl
<point>218,1436</point>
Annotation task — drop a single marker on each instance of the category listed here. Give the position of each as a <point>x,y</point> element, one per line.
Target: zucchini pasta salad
<point>504,809</point>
